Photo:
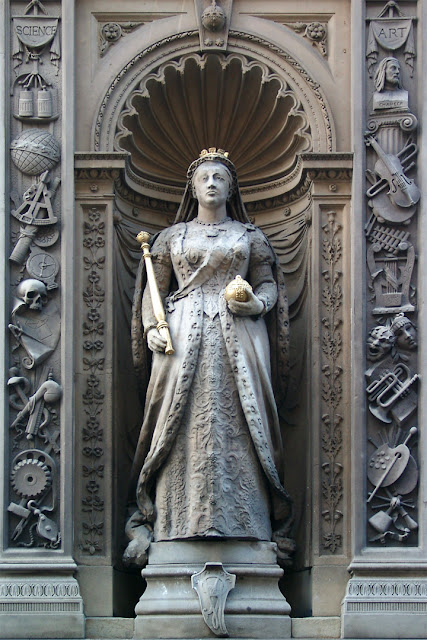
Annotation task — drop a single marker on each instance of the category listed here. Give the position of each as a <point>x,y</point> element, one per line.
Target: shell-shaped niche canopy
<point>212,100</point>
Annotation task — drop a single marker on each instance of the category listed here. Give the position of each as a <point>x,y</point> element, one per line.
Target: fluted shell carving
<point>212,100</point>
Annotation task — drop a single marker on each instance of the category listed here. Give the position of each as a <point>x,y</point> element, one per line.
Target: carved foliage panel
<point>392,205</point>
<point>330,352</point>
<point>92,388</point>
<point>33,385</point>
<point>93,391</point>
<point>331,380</point>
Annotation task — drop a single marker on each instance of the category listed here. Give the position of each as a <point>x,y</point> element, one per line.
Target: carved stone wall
<point>321,107</point>
<point>389,506</point>
<point>38,435</point>
<point>100,493</point>
<point>330,378</point>
<point>393,200</point>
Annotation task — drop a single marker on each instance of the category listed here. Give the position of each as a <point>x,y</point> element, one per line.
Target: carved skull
<point>33,293</point>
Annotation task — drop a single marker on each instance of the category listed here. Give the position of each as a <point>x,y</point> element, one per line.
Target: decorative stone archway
<point>200,101</point>
<point>95,80</point>
<point>295,188</point>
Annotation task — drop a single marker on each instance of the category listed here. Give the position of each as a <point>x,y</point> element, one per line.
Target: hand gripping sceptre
<point>162,326</point>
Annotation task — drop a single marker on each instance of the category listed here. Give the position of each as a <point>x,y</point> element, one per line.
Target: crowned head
<point>214,155</point>
<point>189,203</point>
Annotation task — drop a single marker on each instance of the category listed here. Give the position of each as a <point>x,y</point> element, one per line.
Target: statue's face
<point>392,72</point>
<point>379,343</point>
<point>211,184</point>
<point>407,337</point>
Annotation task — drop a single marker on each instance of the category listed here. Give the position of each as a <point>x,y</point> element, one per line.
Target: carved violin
<point>403,191</point>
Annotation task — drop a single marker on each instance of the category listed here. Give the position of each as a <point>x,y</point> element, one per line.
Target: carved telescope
<point>162,326</point>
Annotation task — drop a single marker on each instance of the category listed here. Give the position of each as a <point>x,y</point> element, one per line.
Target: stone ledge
<point>326,628</point>
<point>111,628</point>
<point>319,627</point>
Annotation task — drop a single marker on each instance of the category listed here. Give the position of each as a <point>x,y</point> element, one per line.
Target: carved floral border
<point>92,502</point>
<point>331,384</point>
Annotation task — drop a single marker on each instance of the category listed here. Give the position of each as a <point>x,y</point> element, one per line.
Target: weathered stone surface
<point>41,605</point>
<point>316,627</point>
<point>170,608</point>
<point>385,607</point>
<point>160,80</point>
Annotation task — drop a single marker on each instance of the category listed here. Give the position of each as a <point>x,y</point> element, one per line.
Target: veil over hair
<point>235,207</point>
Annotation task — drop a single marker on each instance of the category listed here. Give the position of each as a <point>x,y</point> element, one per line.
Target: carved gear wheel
<point>30,478</point>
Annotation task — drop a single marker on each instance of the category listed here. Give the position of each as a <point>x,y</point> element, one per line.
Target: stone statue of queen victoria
<point>209,459</point>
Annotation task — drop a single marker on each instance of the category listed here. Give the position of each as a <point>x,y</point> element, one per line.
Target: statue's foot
<point>285,550</point>
<point>136,553</point>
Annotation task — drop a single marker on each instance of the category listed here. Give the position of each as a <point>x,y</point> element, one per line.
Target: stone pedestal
<point>170,607</point>
<point>385,608</point>
<point>41,605</point>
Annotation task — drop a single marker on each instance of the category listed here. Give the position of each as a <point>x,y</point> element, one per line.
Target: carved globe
<point>35,151</point>
<point>213,18</point>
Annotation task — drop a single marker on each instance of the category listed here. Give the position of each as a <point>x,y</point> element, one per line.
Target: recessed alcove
<point>289,91</point>
<point>213,100</point>
<point>267,116</point>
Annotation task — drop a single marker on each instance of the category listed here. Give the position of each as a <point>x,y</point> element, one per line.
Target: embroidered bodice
<point>207,257</point>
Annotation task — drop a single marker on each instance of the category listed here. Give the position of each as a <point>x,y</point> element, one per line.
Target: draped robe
<point>209,457</point>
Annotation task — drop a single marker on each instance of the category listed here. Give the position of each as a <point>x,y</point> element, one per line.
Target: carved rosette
<point>111,32</point>
<point>314,32</point>
<point>92,502</point>
<point>331,384</point>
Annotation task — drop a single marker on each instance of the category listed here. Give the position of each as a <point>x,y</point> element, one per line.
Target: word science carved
<point>35,318</point>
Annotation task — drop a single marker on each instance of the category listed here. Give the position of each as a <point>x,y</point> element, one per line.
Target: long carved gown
<point>210,413</point>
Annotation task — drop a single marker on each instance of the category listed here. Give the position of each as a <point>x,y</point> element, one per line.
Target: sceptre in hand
<point>162,326</point>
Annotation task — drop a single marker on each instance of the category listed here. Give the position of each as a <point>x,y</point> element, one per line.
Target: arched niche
<point>260,103</point>
<point>212,100</point>
<point>256,101</point>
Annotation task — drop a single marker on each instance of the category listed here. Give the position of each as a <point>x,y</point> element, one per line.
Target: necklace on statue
<point>211,229</point>
<point>211,224</point>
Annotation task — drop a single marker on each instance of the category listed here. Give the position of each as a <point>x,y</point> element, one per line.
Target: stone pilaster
<point>96,296</point>
<point>330,176</point>
<point>38,590</point>
<point>385,596</point>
